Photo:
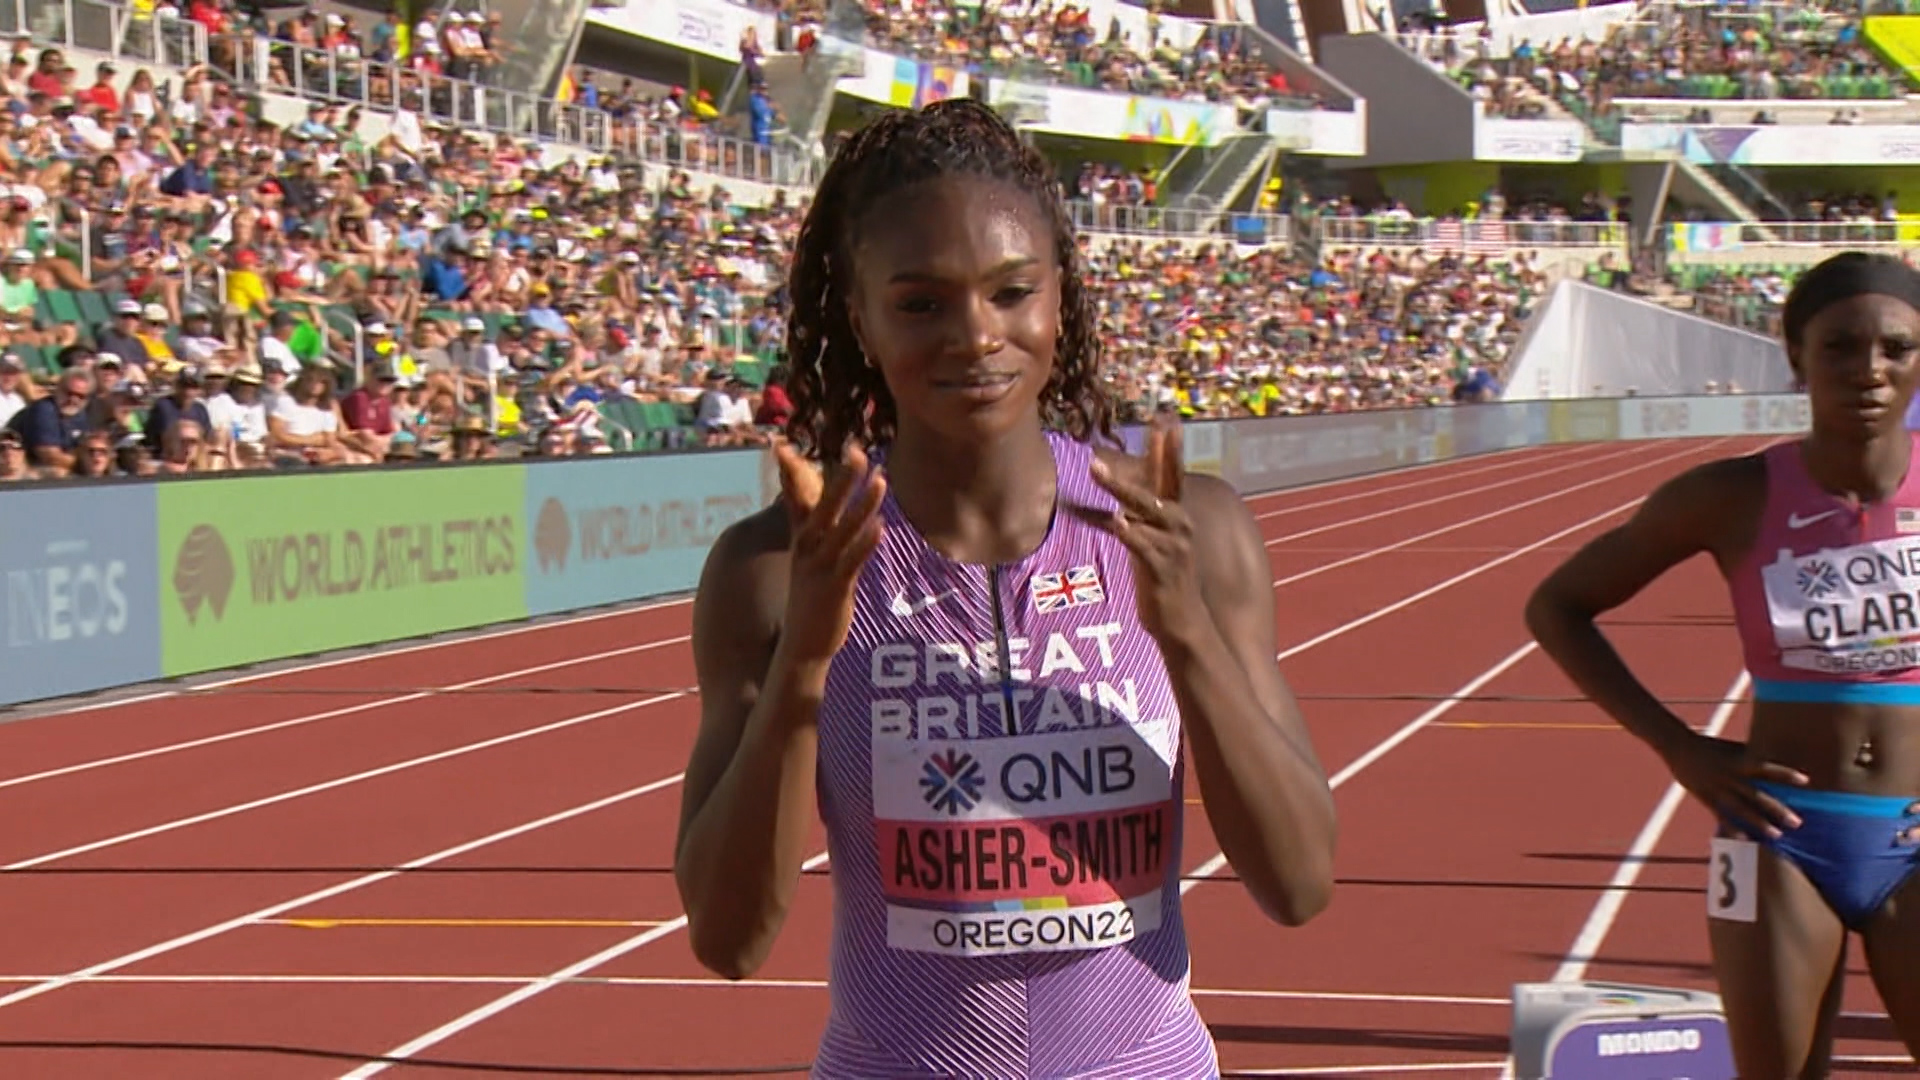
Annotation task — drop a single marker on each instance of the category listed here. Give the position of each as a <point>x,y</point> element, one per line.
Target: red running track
<point>459,853</point>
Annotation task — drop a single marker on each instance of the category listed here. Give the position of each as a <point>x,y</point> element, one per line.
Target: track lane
<point>1351,601</point>
<point>355,686</point>
<point>564,1016</point>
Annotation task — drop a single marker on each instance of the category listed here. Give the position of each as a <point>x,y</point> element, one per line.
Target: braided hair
<point>837,396</point>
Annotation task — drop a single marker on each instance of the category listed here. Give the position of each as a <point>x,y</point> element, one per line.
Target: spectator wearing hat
<point>198,343</point>
<point>187,401</point>
<point>19,305</point>
<point>249,299</point>
<point>239,416</point>
<point>119,404</point>
<point>152,333</point>
<point>472,439</point>
<point>52,425</point>
<point>477,360</point>
<point>122,336</point>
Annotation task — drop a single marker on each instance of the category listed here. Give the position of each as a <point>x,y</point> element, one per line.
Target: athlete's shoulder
<point>1717,485</point>
<point>746,570</point>
<point>1714,506</point>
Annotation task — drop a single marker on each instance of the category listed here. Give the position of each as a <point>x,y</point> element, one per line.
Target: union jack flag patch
<point>1058,592</point>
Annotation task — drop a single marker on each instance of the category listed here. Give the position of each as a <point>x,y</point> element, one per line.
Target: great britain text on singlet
<point>1853,609</point>
<point>975,666</point>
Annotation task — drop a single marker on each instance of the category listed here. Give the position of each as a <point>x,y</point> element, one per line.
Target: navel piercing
<point>1864,757</point>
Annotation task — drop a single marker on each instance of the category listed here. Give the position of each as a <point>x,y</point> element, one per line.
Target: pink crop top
<point>1827,602</point>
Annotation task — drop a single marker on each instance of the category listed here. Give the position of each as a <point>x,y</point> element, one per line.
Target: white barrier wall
<point>1258,455</point>
<point>1587,342</point>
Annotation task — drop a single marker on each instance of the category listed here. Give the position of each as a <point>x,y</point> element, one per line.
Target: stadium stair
<point>1708,187</point>
<point>1216,176</point>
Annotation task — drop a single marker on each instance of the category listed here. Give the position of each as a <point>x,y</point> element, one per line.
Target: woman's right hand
<point>834,532</point>
<point>1718,772</point>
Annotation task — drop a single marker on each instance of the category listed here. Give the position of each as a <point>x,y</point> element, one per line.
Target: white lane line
<point>708,983</point>
<point>330,714</point>
<point>107,966</point>
<point>485,1012</point>
<point>507,1001</point>
<point>402,699</point>
<point>1385,746</point>
<point>1454,466</point>
<point>338,782</point>
<point>1455,496</point>
<point>1464,575</point>
<point>1593,934</point>
<point>1372,1070</point>
<point>1507,461</point>
<point>1490,516</point>
<point>381,651</point>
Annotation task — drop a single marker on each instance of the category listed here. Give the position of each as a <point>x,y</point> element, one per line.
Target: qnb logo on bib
<point>1041,843</point>
<point>1851,610</point>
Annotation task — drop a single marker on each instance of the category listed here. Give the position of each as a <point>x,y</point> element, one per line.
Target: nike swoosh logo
<point>1795,521</point>
<point>907,610</point>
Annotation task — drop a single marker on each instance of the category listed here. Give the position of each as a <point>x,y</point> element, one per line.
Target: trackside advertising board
<point>605,531</point>
<point>81,605</point>
<point>276,566</point>
<point>124,583</point>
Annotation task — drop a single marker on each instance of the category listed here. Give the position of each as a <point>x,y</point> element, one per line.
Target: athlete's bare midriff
<point>1863,749</point>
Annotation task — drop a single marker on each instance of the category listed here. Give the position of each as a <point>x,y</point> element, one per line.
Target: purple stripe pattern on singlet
<point>1001,782</point>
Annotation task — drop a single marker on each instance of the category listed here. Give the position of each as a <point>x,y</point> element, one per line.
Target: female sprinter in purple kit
<point>984,650</point>
<point>1819,540</point>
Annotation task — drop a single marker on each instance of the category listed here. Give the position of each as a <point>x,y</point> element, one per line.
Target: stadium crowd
<point>1055,40</point>
<point>187,288</point>
<point>1810,50</point>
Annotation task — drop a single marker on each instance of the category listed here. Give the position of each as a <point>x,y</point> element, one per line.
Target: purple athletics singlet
<point>999,781</point>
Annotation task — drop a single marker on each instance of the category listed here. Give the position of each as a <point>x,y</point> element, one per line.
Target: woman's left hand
<point>1158,531</point>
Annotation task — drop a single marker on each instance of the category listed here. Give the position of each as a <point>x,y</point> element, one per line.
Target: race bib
<point>1733,877</point>
<point>1851,610</point>
<point>1037,843</point>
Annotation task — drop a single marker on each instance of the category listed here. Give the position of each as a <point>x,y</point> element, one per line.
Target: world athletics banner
<point>273,566</point>
<point>601,534</point>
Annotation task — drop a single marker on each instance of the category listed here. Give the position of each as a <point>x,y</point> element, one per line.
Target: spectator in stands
<point>304,426</point>
<point>14,388</point>
<point>185,449</point>
<point>52,426</point>
<point>186,401</point>
<point>368,412</point>
<point>276,354</point>
<point>240,417</point>
<point>94,456</point>
<point>13,457</point>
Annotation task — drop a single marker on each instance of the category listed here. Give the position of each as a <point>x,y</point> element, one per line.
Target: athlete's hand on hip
<point>834,532</point>
<point>1718,773</point>
<point>1157,530</point>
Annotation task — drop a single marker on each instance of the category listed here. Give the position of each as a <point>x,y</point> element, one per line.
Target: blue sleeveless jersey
<point>1001,780</point>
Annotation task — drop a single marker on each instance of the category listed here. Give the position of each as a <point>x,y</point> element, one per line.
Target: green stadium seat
<point>94,308</point>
